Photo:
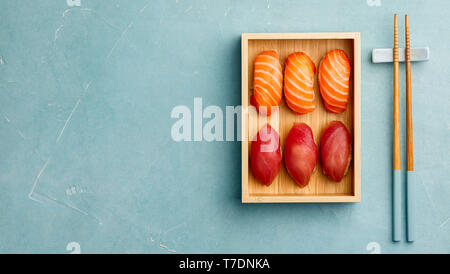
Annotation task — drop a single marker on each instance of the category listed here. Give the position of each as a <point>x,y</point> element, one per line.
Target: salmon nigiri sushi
<point>267,82</point>
<point>299,83</point>
<point>334,80</point>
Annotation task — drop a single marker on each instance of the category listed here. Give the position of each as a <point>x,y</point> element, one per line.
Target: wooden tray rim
<point>356,197</point>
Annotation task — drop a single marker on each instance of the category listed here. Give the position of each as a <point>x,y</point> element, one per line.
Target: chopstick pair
<point>396,177</point>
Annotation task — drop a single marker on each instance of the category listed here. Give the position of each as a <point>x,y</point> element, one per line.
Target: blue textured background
<point>86,96</point>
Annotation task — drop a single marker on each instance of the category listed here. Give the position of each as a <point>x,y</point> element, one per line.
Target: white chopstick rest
<point>386,55</point>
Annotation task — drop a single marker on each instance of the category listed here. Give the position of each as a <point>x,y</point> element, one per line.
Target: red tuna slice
<point>335,151</point>
<point>300,153</point>
<point>265,157</point>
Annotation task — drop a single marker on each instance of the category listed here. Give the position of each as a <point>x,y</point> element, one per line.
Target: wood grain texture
<point>409,121</point>
<point>283,188</point>
<point>397,165</point>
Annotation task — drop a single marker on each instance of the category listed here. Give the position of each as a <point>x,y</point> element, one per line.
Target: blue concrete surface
<point>88,163</point>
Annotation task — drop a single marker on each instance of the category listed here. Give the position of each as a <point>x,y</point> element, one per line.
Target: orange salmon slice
<point>299,83</point>
<point>334,80</point>
<point>267,82</point>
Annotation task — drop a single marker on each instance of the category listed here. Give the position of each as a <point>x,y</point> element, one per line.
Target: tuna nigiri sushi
<point>335,151</point>
<point>334,80</point>
<point>301,153</point>
<point>265,158</point>
<point>299,83</point>
<point>267,82</point>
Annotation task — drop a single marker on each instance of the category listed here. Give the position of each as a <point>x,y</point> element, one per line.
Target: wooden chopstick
<point>409,125</point>
<point>396,176</point>
<point>397,154</point>
<point>409,140</point>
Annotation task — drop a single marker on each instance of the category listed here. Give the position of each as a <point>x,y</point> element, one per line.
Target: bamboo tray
<point>283,189</point>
